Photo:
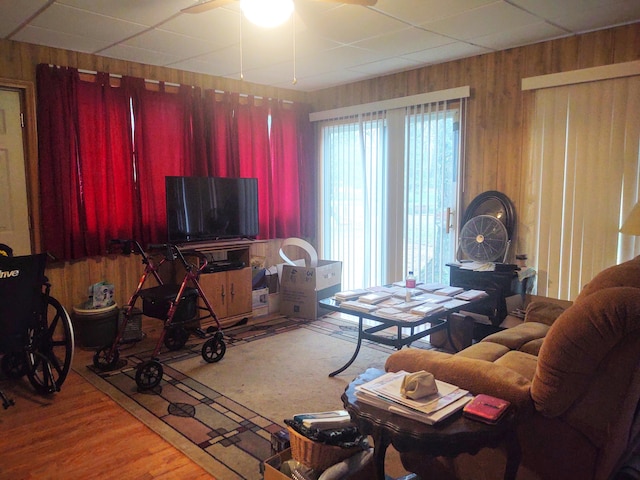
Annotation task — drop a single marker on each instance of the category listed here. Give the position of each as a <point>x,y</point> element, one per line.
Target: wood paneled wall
<point>496,123</point>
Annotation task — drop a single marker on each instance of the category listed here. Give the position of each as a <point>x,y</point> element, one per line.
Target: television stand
<point>227,279</point>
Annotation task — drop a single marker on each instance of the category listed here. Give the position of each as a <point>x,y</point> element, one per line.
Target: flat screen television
<point>211,208</point>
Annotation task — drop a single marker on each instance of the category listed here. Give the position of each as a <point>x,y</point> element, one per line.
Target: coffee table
<point>451,437</point>
<point>437,321</point>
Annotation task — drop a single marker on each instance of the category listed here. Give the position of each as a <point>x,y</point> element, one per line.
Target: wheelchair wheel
<point>149,374</point>
<point>104,360</point>
<point>14,365</point>
<point>176,337</point>
<point>214,349</point>
<point>50,349</point>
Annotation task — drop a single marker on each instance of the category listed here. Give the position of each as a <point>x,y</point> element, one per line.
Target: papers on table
<point>350,294</point>
<point>471,295</point>
<point>449,291</point>
<point>390,302</point>
<point>384,392</point>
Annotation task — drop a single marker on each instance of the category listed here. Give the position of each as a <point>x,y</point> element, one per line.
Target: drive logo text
<point>9,273</point>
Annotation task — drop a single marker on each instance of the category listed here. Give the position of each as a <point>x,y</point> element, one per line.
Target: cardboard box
<point>272,466</point>
<point>274,303</point>
<point>302,287</point>
<point>260,298</point>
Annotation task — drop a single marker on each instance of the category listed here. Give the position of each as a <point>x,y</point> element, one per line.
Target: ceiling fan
<point>207,5</point>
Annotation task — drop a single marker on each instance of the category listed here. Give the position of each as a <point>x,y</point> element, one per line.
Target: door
<point>239,291</point>
<point>14,214</point>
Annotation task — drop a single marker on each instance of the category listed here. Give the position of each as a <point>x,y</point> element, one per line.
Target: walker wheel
<point>176,337</point>
<point>214,349</point>
<point>14,365</point>
<point>149,374</point>
<point>104,360</point>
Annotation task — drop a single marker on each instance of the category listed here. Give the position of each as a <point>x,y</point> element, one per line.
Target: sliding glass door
<point>388,180</point>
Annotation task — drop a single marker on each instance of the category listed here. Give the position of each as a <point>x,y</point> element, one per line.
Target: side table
<point>451,437</point>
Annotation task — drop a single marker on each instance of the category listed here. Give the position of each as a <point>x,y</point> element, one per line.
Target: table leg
<point>380,444</point>
<point>514,455</point>
<point>355,354</point>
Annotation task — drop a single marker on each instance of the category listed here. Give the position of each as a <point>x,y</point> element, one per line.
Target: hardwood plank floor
<point>80,433</point>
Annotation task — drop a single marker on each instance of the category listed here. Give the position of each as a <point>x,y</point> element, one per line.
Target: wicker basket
<point>316,455</point>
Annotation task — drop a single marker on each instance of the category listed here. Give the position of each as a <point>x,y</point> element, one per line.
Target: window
<point>388,177</point>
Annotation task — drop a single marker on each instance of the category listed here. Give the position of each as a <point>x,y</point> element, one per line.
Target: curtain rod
<point>157,82</point>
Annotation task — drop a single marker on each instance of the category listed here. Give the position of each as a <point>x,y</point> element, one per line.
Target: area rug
<point>223,415</point>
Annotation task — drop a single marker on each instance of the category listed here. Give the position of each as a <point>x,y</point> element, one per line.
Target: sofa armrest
<point>477,376</point>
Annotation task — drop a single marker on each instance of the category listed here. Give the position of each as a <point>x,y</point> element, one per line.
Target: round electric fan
<point>484,238</point>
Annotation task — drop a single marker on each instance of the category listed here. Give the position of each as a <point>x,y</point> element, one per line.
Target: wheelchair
<point>175,304</point>
<point>36,334</point>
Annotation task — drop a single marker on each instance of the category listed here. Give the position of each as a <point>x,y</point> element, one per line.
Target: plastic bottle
<point>410,281</point>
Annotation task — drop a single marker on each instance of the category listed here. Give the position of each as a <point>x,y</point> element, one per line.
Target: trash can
<point>95,327</point>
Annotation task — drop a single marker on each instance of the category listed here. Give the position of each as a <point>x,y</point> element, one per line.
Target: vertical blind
<point>388,177</point>
<point>584,176</point>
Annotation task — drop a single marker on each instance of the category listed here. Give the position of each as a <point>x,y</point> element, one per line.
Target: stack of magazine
<point>384,392</point>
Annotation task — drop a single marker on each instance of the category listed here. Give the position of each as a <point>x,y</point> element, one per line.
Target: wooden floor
<point>80,433</point>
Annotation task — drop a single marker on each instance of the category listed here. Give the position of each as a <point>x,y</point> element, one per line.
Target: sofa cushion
<point>523,363</point>
<point>543,312</point>
<point>514,338</point>
<point>578,341</point>
<point>626,274</point>
<point>532,347</point>
<point>487,351</point>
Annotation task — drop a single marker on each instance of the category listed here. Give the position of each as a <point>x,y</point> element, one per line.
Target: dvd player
<point>223,265</point>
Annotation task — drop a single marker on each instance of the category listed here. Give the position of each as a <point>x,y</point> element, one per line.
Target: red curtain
<point>58,170</point>
<point>102,174</point>
<point>164,147</point>
<point>105,164</point>
<point>222,140</point>
<point>254,156</point>
<point>284,163</point>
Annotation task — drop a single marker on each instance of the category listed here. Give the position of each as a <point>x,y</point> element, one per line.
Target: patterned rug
<point>224,415</point>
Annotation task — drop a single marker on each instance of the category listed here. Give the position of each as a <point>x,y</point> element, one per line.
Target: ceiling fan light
<point>267,13</point>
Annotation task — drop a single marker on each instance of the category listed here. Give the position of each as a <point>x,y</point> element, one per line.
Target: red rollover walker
<point>175,304</point>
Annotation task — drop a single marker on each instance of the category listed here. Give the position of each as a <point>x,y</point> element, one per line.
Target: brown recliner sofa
<point>574,380</point>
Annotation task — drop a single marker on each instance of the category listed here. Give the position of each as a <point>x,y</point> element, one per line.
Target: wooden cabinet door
<point>239,292</point>
<point>214,286</point>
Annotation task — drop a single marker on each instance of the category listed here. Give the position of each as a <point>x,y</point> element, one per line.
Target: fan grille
<point>483,238</point>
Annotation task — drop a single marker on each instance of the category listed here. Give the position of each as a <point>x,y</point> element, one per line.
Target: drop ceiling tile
<point>549,9</point>
<point>385,67</point>
<point>453,51</point>
<point>280,74</point>
<point>224,61</point>
<point>171,43</point>
<point>81,23</point>
<point>516,37</point>
<point>481,21</point>
<point>349,23</point>
<point>16,12</point>
<point>220,26</point>
<point>398,43</point>
<point>326,80</point>
<point>133,54</point>
<point>335,59</point>
<point>56,39</point>
<point>417,12</point>
<point>144,12</point>
<point>600,16</point>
